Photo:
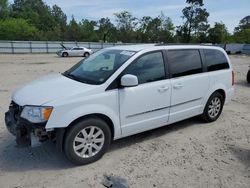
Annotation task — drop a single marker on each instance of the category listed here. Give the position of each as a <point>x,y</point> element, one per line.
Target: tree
<point>148,29</point>
<point>4,9</point>
<point>61,23</point>
<point>244,24</point>
<point>126,24</point>
<point>166,29</point>
<point>242,36</point>
<point>157,29</point>
<point>59,16</point>
<point>218,33</point>
<point>17,29</point>
<point>195,21</point>
<point>242,32</point>
<point>106,29</point>
<point>73,30</point>
<point>87,31</point>
<point>36,12</point>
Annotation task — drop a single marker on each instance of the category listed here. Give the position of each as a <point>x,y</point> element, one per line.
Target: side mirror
<point>129,80</point>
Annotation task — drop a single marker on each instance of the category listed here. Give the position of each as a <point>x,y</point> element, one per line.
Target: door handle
<point>178,86</point>
<point>164,88</point>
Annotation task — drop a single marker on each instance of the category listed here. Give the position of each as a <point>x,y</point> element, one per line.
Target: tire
<point>86,54</point>
<point>78,142</point>
<point>248,76</point>
<point>65,54</point>
<point>213,107</point>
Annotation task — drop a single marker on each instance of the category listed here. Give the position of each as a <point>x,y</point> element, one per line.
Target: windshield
<point>98,67</point>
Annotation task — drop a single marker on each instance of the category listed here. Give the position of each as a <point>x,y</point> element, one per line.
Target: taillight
<point>232,78</point>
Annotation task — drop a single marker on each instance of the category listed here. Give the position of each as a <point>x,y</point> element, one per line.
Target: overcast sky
<point>227,11</point>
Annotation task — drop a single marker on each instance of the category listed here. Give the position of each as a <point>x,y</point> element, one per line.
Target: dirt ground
<point>186,154</point>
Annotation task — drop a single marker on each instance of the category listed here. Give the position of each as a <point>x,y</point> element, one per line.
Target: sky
<point>229,12</point>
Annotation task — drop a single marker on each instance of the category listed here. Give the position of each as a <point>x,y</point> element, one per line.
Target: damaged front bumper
<point>26,133</point>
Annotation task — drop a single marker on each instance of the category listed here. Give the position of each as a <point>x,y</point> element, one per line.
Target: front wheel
<point>87,141</point>
<point>213,107</point>
<point>65,54</point>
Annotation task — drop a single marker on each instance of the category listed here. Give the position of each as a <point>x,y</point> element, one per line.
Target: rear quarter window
<point>215,60</point>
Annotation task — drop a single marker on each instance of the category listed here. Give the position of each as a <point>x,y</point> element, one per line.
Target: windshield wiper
<point>67,74</point>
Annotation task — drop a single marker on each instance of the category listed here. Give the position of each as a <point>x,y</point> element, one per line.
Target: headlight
<point>36,114</point>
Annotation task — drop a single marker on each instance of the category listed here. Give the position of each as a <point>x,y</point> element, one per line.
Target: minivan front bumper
<point>24,131</point>
<point>20,130</point>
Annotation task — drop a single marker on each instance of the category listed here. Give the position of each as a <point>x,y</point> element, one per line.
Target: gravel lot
<point>186,154</point>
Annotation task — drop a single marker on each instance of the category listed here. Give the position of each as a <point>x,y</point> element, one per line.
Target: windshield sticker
<point>128,53</point>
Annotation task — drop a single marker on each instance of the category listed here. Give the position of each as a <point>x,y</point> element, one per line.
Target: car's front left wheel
<point>87,141</point>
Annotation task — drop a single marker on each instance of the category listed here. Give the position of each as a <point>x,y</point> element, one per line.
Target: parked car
<point>75,51</point>
<point>248,76</point>
<point>121,91</point>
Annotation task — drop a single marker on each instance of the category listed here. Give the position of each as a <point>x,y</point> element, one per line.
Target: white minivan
<point>121,91</point>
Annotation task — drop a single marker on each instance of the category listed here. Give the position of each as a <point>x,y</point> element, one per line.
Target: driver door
<point>147,105</point>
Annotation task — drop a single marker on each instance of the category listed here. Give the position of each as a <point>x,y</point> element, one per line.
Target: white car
<point>121,91</point>
<point>75,51</point>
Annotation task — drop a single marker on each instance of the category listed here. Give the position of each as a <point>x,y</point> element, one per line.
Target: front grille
<point>15,109</point>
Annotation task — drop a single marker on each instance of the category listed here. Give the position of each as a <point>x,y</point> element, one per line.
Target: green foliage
<point>218,33</point>
<point>36,12</point>
<point>244,24</point>
<point>195,22</point>
<point>17,29</point>
<point>242,36</point>
<point>35,20</point>
<point>159,29</point>
<point>106,30</point>
<point>126,24</point>
<point>4,9</point>
<point>242,32</point>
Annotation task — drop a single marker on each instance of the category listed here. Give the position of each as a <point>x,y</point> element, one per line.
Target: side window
<point>184,62</point>
<point>148,68</point>
<point>215,60</point>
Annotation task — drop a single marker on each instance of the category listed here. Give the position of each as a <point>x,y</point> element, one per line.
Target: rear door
<point>189,83</point>
<point>145,106</point>
<point>80,51</point>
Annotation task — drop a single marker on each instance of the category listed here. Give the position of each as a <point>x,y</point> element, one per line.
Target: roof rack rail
<point>171,44</point>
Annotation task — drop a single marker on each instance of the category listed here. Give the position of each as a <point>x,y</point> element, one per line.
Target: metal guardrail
<point>49,46</point>
<point>14,47</point>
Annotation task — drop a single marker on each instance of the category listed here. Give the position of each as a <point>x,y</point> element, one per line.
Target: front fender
<point>57,120</point>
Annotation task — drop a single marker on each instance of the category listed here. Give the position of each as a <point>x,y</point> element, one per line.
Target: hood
<point>65,48</point>
<point>47,89</point>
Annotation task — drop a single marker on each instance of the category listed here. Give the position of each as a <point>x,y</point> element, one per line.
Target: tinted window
<point>184,62</point>
<point>215,60</point>
<point>148,68</point>
<point>77,49</point>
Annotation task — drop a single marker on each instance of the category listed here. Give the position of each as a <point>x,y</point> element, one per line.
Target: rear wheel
<point>248,76</point>
<point>213,107</point>
<point>87,141</point>
<point>86,54</point>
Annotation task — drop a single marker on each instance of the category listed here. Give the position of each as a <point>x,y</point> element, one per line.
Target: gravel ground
<point>186,154</point>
